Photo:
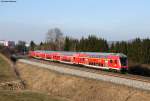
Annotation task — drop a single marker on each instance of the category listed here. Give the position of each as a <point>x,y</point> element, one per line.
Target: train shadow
<point>139,70</point>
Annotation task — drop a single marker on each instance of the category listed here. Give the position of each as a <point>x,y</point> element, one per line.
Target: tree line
<point>137,50</point>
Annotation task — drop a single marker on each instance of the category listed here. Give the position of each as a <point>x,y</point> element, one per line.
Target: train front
<point>123,62</point>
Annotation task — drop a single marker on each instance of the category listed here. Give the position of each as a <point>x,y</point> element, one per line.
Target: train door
<point>86,61</point>
<point>73,59</point>
<point>82,60</point>
<point>106,63</point>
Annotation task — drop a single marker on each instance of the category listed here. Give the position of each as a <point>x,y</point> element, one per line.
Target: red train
<point>111,61</point>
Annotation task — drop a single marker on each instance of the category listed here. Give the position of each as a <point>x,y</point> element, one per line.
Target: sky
<point>113,20</point>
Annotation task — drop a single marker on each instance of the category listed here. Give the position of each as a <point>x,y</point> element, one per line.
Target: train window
<point>111,61</point>
<point>123,61</point>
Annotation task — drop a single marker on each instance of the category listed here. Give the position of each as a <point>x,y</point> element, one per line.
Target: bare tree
<point>55,37</point>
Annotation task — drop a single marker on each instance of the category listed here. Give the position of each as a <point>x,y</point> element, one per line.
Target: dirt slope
<point>6,71</point>
<point>75,88</point>
<point>12,89</point>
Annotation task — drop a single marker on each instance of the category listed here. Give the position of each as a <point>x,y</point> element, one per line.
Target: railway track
<point>97,71</point>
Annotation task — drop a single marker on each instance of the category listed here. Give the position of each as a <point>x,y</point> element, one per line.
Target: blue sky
<point>111,19</point>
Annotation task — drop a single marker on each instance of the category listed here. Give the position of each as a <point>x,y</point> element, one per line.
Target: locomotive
<point>109,61</point>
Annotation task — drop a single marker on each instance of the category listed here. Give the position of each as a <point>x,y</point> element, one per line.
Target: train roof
<point>90,54</point>
<point>98,54</point>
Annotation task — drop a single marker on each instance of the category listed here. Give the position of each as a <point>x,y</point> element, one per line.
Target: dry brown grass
<point>6,71</point>
<point>14,91</point>
<point>25,96</point>
<point>77,89</point>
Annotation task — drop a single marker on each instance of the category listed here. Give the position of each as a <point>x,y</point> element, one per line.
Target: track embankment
<point>89,75</point>
<point>8,78</point>
<point>75,88</point>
